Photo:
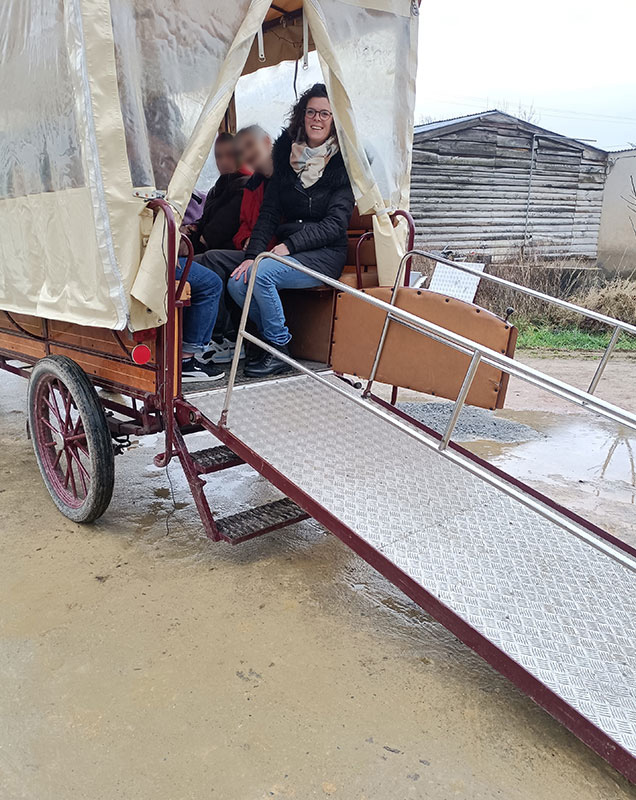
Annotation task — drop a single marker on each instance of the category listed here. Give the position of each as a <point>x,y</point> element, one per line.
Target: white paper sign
<point>454,282</point>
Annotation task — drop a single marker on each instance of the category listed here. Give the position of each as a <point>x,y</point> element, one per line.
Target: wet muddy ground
<point>140,661</point>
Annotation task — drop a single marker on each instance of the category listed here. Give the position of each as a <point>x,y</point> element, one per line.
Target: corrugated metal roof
<point>461,122</point>
<point>442,123</point>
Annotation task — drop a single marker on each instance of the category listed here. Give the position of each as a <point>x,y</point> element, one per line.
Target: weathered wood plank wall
<point>498,187</point>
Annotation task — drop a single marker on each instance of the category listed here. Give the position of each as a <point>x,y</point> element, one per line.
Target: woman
<point>307,207</point>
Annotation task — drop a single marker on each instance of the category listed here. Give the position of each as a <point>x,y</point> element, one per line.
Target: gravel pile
<point>473,423</point>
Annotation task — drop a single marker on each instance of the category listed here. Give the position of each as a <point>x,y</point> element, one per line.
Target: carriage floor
<point>241,377</point>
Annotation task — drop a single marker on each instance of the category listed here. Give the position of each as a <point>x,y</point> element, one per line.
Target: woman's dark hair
<point>296,119</point>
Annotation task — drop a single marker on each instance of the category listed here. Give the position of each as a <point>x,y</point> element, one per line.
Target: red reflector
<point>141,354</point>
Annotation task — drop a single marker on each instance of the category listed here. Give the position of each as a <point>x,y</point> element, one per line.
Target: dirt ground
<point>141,662</point>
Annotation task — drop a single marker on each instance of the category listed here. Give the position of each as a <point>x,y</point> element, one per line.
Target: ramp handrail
<point>617,324</point>
<point>478,353</point>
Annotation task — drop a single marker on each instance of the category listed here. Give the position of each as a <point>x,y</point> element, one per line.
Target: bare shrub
<point>614,297</point>
<point>567,279</point>
<point>560,279</point>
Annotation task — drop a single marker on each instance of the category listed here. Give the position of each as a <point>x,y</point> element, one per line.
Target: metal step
<point>213,459</point>
<point>259,520</point>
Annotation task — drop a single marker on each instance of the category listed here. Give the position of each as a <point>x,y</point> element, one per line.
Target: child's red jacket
<point>253,194</point>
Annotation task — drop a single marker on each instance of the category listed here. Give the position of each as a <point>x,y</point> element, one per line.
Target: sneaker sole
<point>224,359</point>
<point>200,377</point>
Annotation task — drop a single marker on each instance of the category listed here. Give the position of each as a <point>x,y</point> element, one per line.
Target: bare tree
<point>630,199</point>
<point>528,113</point>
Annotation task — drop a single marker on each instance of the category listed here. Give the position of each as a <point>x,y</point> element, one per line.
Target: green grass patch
<point>544,337</point>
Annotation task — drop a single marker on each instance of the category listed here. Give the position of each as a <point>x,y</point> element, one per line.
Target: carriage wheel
<point>71,438</point>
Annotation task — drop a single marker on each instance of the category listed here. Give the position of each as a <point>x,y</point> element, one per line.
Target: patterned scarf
<point>309,162</point>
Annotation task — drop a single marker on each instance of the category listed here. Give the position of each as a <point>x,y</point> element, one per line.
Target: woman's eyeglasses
<point>324,115</point>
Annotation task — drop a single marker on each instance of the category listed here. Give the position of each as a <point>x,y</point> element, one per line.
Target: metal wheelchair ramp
<point>548,602</point>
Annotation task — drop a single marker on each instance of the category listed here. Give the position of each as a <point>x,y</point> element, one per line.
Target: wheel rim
<point>61,442</point>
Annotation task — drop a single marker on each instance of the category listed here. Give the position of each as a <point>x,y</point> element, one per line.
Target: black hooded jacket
<point>221,214</point>
<point>311,221</point>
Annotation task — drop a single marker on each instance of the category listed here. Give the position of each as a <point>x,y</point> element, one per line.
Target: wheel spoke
<point>59,455</point>
<point>48,425</point>
<point>79,438</point>
<point>78,461</point>
<point>66,475</point>
<point>54,399</point>
<point>74,438</point>
<point>83,472</point>
<point>70,475</point>
<point>82,449</point>
<point>67,399</point>
<point>55,411</point>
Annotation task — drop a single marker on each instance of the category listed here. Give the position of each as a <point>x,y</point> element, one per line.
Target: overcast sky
<point>574,62</point>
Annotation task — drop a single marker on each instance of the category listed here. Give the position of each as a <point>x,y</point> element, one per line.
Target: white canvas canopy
<point>102,97</point>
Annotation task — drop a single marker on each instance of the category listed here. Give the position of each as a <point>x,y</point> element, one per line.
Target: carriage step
<point>214,459</point>
<point>259,520</point>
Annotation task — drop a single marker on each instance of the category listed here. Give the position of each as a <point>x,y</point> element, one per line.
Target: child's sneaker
<point>221,352</point>
<point>196,370</point>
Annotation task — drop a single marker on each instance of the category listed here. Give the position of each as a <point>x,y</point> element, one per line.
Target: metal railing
<point>478,353</point>
<point>618,325</point>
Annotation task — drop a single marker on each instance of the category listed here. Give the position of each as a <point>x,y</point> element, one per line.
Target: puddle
<point>600,458</point>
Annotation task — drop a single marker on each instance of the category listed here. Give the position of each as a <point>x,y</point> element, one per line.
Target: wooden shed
<point>501,186</point>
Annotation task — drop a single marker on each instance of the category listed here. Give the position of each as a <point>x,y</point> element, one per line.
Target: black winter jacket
<point>221,213</point>
<point>312,222</point>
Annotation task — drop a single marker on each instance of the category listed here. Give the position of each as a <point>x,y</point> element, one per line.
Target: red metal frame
<point>166,338</point>
<point>410,243</point>
<point>555,705</point>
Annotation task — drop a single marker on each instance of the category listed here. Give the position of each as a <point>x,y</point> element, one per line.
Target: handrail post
<point>385,328</point>
<point>240,337</point>
<point>603,362</point>
<point>461,399</point>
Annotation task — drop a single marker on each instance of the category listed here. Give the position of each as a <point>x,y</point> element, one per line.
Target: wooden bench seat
<point>309,312</point>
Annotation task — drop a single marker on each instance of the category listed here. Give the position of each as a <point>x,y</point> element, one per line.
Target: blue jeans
<point>266,309</point>
<point>199,317</point>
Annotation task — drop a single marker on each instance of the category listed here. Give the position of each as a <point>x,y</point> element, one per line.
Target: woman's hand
<point>280,250</point>
<point>243,269</point>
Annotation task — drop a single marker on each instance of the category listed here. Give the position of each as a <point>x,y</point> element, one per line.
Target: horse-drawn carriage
<point>110,109</point>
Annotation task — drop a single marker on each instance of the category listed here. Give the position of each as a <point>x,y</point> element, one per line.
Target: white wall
<point>617,235</point>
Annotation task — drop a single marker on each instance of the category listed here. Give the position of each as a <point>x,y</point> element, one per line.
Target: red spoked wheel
<point>71,438</point>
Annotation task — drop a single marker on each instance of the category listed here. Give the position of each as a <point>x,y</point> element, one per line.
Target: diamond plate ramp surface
<point>559,607</point>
